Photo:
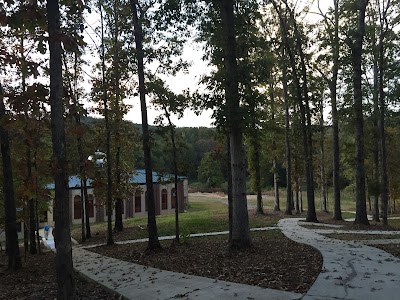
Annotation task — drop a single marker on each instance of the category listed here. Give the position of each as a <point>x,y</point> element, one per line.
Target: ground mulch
<point>352,236</point>
<point>393,249</point>
<point>273,261</point>
<point>37,280</point>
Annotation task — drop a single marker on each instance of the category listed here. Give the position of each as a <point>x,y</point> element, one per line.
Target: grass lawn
<point>206,213</point>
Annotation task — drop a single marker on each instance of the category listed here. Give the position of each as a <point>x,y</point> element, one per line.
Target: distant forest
<point>195,144</point>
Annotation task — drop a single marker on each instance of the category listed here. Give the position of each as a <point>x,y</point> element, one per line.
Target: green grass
<point>203,215</point>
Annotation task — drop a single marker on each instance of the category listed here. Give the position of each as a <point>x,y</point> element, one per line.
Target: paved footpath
<point>350,270</point>
<point>133,281</point>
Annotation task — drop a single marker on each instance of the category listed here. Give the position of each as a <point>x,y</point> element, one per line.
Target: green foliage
<point>210,171</point>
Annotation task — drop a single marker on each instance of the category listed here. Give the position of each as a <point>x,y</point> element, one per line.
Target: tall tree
<point>64,266</point>
<point>12,246</point>
<point>331,26</point>
<point>110,239</point>
<point>383,7</point>
<point>240,220</point>
<point>356,58</point>
<point>299,73</point>
<point>337,212</point>
<point>289,191</point>
<point>154,243</point>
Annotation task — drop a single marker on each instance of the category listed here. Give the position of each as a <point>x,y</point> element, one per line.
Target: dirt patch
<point>392,249</point>
<point>37,280</point>
<point>274,261</point>
<point>352,236</point>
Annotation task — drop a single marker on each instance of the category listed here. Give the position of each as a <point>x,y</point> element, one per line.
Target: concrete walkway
<point>133,281</point>
<point>350,270</point>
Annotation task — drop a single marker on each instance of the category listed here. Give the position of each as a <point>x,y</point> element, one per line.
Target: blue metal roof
<point>139,178</point>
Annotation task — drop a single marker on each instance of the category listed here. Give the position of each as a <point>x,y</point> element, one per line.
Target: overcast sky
<point>189,80</point>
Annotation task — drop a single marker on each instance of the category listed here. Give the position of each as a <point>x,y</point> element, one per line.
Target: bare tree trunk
<point>36,202</point>
<point>86,197</point>
<point>119,226</point>
<point>303,101</point>
<point>301,200</point>
<point>64,267</point>
<point>175,163</point>
<point>257,173</point>
<point>361,209</point>
<point>382,105</point>
<point>289,199</point>
<point>322,168</point>
<point>375,172</point>
<point>277,206</point>
<point>254,157</point>
<point>83,235</point>
<point>337,211</point>
<point>154,243</point>
<point>12,247</point>
<point>240,219</point>
<point>230,205</point>
<point>110,240</point>
<point>28,180</point>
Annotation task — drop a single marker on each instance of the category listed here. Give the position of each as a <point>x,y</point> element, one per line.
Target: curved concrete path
<point>350,270</point>
<point>133,281</point>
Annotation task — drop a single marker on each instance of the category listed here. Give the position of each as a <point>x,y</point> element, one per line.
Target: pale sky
<point>183,81</point>
<point>177,84</point>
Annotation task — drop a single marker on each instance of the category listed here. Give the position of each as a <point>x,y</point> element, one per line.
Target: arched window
<point>91,207</point>
<point>173,198</point>
<point>164,199</point>
<point>138,201</point>
<point>77,207</point>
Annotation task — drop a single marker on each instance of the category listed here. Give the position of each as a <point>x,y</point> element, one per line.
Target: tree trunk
<point>337,211</point>
<point>154,243</point>
<point>110,240</point>
<point>86,197</point>
<point>240,219</point>
<point>382,134</point>
<point>289,194</point>
<point>230,205</point>
<point>175,163</point>
<point>82,159</point>
<point>311,213</point>
<point>256,162</point>
<point>303,101</point>
<point>119,226</point>
<point>28,182</point>
<point>255,158</point>
<point>36,203</point>
<point>277,206</point>
<point>356,57</point>
<point>375,172</point>
<point>301,200</point>
<point>12,246</point>
<point>64,267</point>
<point>83,236</point>
<point>322,169</point>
